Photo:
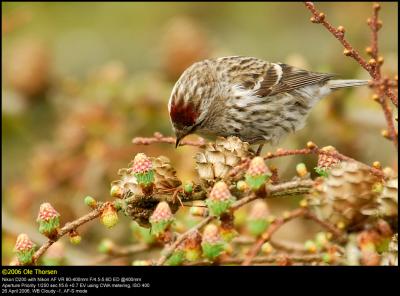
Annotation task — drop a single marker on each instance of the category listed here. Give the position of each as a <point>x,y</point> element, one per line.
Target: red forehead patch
<point>183,114</point>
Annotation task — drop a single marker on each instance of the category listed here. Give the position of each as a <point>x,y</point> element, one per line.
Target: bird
<point>255,100</point>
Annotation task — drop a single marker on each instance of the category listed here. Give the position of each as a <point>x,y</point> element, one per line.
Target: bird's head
<point>185,117</point>
<point>190,100</point>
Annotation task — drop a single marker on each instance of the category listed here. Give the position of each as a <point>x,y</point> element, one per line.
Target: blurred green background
<point>80,80</point>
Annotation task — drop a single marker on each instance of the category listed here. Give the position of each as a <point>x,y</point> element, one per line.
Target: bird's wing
<point>262,78</point>
<point>281,78</point>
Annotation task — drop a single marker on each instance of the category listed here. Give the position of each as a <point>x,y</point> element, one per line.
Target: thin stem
<point>271,191</point>
<point>68,227</point>
<point>270,231</point>
<point>159,138</point>
<point>373,66</point>
<point>168,252</point>
<point>270,259</point>
<point>278,223</point>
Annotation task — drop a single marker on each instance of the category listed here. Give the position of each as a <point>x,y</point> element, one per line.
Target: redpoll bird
<point>255,100</point>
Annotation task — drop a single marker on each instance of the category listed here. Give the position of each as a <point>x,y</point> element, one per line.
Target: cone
<point>346,196</point>
<point>49,220</point>
<point>219,158</point>
<point>142,169</point>
<point>220,199</point>
<point>258,173</point>
<point>192,246</point>
<point>140,209</point>
<point>257,222</point>
<point>161,218</point>
<point>212,243</point>
<point>388,199</point>
<point>24,249</point>
<point>327,162</point>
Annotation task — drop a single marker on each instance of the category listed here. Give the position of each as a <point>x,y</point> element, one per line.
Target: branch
<point>159,138</point>
<point>68,227</point>
<point>270,231</point>
<point>288,246</point>
<point>308,258</point>
<point>319,17</point>
<point>335,231</point>
<point>168,252</point>
<point>373,66</point>
<point>278,223</point>
<point>271,192</point>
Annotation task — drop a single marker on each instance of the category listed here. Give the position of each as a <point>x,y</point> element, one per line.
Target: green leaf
<point>257,226</point>
<point>217,208</point>
<point>322,172</point>
<point>159,227</point>
<point>145,178</point>
<point>49,228</point>
<point>25,257</point>
<point>176,258</point>
<point>255,182</point>
<point>212,251</point>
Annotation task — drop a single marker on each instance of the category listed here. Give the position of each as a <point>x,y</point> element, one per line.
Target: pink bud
<point>23,243</point>
<point>47,212</point>
<point>141,163</point>
<point>258,167</point>
<point>161,213</point>
<point>211,234</point>
<point>220,192</point>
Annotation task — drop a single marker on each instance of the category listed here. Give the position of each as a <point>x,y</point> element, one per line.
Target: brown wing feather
<point>292,78</point>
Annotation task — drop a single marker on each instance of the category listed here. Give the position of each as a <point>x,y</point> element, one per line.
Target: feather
<point>291,79</point>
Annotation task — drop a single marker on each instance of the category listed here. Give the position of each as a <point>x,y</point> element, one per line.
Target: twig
<point>288,246</point>
<point>319,17</point>
<point>283,189</point>
<point>306,151</point>
<point>272,191</point>
<point>373,66</point>
<point>168,252</point>
<point>270,231</point>
<point>335,231</point>
<point>278,223</point>
<point>68,227</point>
<point>308,258</point>
<point>159,138</point>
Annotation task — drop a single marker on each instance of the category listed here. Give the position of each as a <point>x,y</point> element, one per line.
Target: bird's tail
<point>340,83</point>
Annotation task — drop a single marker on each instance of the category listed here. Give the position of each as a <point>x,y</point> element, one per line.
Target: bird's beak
<point>179,137</point>
<point>177,142</point>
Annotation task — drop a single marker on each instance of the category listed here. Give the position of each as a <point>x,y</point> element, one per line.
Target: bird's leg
<point>259,149</point>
